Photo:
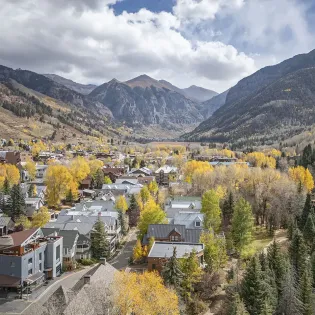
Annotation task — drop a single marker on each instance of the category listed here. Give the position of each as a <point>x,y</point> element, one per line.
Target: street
<point>120,262</point>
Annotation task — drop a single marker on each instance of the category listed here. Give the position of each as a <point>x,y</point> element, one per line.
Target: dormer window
<point>197,224</point>
<point>174,238</point>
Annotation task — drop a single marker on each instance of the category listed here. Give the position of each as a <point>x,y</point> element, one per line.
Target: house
<point>143,171</point>
<point>125,189</point>
<point>162,251</point>
<point>86,183</point>
<point>41,170</point>
<point>83,216</point>
<point>32,205</point>
<point>27,258</point>
<point>70,239</point>
<point>166,174</point>
<point>172,233</point>
<point>83,250</point>
<point>191,220</point>
<point>219,163</point>
<point>142,180</point>
<point>10,157</point>
<point>6,225</point>
<point>89,295</point>
<point>114,172</point>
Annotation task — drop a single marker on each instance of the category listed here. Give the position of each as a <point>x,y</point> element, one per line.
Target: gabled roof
<point>69,237</point>
<point>20,237</point>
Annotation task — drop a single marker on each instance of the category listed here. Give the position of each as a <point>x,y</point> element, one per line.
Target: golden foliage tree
<point>191,167</point>
<point>30,167</point>
<point>121,204</point>
<point>137,254</point>
<point>95,165</point>
<point>79,168</point>
<point>24,221</point>
<point>41,218</point>
<point>151,214</point>
<point>302,177</point>
<point>9,172</point>
<point>259,159</point>
<point>143,294</point>
<point>58,180</point>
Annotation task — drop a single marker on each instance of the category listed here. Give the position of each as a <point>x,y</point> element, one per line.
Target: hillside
<point>199,94</point>
<point>84,89</point>
<point>261,106</point>
<point>213,104</point>
<point>276,112</point>
<point>145,101</point>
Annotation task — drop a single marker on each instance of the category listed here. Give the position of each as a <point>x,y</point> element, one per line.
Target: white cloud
<point>86,42</point>
<point>197,10</point>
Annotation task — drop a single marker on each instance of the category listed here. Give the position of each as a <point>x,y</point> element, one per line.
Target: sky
<point>210,43</point>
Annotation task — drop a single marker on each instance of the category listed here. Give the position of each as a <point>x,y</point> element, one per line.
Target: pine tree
<point>312,263</point>
<point>171,271</point>
<point>309,230</point>
<point>238,306</point>
<point>133,212</point>
<point>99,242</point>
<point>306,211</point>
<point>16,202</point>
<point>289,302</point>
<point>307,156</point>
<point>298,253</point>
<point>6,187</point>
<point>277,263</point>
<point>228,209</point>
<point>69,196</point>
<point>98,179</point>
<point>306,284</point>
<point>252,287</point>
<point>122,221</point>
<point>266,309</point>
<point>32,191</point>
<point>142,163</point>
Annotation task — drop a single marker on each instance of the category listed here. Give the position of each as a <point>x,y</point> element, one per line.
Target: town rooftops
<point>165,249</point>
<point>69,237</point>
<point>166,169</point>
<point>17,238</point>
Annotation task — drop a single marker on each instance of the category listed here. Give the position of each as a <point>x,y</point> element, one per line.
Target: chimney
<point>103,261</point>
<point>87,279</point>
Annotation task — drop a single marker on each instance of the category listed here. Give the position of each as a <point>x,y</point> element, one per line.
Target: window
<point>30,272</point>
<point>40,256</point>
<point>12,264</point>
<point>197,223</point>
<point>30,261</point>
<point>174,238</point>
<point>40,266</point>
<point>58,252</point>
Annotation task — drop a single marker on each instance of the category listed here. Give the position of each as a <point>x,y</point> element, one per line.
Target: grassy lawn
<point>261,238</point>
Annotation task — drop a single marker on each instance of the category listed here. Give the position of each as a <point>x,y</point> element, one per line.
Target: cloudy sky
<point>211,43</point>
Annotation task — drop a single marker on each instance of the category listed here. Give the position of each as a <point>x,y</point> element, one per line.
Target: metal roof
<point>165,249</point>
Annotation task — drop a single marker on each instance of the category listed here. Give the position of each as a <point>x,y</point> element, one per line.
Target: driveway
<point>120,262</point>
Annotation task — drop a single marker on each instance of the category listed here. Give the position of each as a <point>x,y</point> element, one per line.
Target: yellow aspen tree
<point>41,218</point>
<point>79,168</point>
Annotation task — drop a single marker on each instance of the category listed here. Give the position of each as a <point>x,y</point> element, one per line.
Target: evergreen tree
<point>298,253</point>
<point>6,187</point>
<point>238,306</point>
<point>98,179</point>
<point>142,163</point>
<point>171,271</point>
<point>289,302</point>
<point>312,262</point>
<point>266,309</point>
<point>306,284</point>
<point>228,209</point>
<point>309,230</point>
<point>306,211</point>
<point>99,242</point>
<point>122,221</point>
<point>277,263</point>
<point>32,191</point>
<point>307,156</point>
<point>133,212</point>
<point>69,196</point>
<point>16,202</point>
<point>252,288</point>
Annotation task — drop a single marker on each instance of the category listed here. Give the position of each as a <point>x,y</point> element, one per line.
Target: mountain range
<point>139,102</point>
<point>269,106</point>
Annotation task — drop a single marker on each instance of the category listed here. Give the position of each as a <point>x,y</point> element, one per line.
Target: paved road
<point>121,260</point>
<point>42,294</point>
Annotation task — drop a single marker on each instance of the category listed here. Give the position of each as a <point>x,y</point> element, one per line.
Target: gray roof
<point>50,231</point>
<point>188,219</point>
<point>69,238</point>
<point>171,212</point>
<point>165,249</point>
<point>5,221</point>
<point>162,231</point>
